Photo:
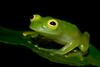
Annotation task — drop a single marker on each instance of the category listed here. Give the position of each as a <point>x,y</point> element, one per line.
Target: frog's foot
<point>85,42</point>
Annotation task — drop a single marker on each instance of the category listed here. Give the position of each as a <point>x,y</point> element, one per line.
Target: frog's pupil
<point>52,23</point>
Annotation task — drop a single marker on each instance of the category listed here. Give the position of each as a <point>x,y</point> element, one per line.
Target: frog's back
<point>69,32</point>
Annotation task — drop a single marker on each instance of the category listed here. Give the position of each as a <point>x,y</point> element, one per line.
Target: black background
<point>15,15</point>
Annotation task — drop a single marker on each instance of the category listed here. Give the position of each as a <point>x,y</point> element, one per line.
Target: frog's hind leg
<point>84,42</point>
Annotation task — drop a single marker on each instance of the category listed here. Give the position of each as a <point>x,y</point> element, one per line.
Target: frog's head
<point>45,25</point>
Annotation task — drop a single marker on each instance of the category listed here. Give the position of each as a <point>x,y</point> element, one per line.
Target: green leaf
<point>63,59</point>
<point>16,38</point>
<point>13,37</point>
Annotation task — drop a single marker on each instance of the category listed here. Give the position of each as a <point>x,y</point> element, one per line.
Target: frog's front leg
<point>29,34</point>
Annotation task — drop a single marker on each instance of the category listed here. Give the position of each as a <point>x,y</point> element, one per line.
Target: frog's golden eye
<point>35,17</point>
<point>52,24</point>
